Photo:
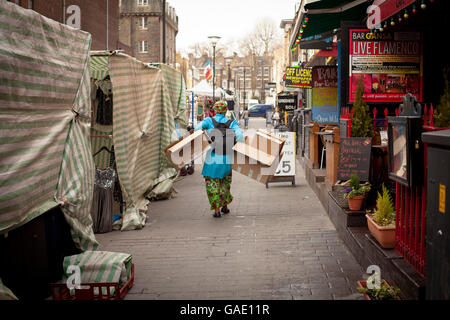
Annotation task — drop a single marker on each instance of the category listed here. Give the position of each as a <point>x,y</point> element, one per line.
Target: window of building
<point>266,71</point>
<point>143,21</point>
<point>30,4</point>
<point>143,46</point>
<point>142,2</point>
<point>259,71</point>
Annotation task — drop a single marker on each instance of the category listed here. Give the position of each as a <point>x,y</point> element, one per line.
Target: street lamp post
<point>228,62</point>
<point>263,93</point>
<point>213,40</point>
<point>244,87</point>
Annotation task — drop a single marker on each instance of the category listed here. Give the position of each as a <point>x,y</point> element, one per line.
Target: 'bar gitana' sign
<point>298,78</point>
<point>388,63</point>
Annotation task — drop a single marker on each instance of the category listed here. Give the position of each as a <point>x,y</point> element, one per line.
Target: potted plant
<point>381,223</point>
<point>385,292</point>
<point>356,193</point>
<point>442,112</point>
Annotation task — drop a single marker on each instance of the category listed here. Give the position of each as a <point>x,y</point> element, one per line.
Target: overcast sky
<point>229,19</point>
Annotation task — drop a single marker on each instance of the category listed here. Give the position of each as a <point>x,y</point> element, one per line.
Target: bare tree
<point>266,34</point>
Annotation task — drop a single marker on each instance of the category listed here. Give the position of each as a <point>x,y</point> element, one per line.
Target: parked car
<point>259,110</point>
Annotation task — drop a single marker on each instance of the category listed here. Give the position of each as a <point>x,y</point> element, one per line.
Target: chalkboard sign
<point>354,158</point>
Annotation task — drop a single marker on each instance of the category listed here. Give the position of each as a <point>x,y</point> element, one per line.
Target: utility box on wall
<point>438,216</point>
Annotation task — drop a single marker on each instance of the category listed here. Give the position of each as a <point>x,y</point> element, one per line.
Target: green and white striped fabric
<point>98,140</point>
<point>174,108</point>
<point>45,156</point>
<point>6,293</point>
<point>99,67</point>
<point>100,266</point>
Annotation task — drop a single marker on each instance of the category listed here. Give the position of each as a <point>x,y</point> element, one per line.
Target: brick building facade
<point>100,18</point>
<point>141,30</point>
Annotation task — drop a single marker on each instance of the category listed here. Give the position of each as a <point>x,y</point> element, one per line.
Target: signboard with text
<point>325,94</point>
<point>298,77</point>
<point>388,63</point>
<point>287,102</point>
<point>287,167</point>
<point>354,158</point>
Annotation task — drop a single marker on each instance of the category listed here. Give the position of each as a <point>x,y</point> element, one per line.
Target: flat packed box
<point>258,158</point>
<point>187,149</point>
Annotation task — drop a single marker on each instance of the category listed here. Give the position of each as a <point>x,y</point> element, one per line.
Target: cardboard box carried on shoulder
<point>187,149</point>
<point>258,158</point>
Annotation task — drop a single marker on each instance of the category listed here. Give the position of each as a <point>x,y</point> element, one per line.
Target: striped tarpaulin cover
<point>99,140</point>
<point>45,156</point>
<point>174,108</point>
<point>100,266</point>
<point>137,129</point>
<point>99,67</point>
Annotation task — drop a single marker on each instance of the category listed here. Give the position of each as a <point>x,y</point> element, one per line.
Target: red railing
<point>411,205</point>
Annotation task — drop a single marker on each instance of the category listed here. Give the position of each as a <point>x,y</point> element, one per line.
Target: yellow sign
<point>442,191</point>
<point>298,78</point>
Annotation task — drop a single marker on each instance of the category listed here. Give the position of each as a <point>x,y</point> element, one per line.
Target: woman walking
<point>217,167</point>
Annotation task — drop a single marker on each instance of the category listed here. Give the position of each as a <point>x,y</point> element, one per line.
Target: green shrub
<point>442,112</point>
<point>384,213</point>
<point>361,121</point>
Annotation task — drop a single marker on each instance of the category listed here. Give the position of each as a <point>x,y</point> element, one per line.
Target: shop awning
<point>326,15</point>
<point>328,53</point>
<point>388,8</point>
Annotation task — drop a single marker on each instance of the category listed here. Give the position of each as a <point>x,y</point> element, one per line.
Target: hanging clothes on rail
<point>102,204</point>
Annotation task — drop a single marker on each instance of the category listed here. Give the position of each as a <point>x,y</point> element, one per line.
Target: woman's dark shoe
<point>225,210</point>
<point>217,215</point>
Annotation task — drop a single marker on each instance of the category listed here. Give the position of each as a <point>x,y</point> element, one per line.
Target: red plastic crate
<point>94,290</point>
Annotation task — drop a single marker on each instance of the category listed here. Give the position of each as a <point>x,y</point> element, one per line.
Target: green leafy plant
<point>384,212</point>
<point>361,121</point>
<point>442,112</point>
<point>356,189</point>
<point>383,293</point>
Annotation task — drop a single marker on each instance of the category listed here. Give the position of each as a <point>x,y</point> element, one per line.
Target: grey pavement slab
<point>276,243</point>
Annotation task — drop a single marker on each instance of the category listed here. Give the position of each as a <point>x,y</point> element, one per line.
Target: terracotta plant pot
<point>363,284</point>
<point>355,203</point>
<point>384,235</point>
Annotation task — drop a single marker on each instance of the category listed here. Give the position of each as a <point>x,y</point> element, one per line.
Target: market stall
<point>45,157</point>
<point>147,102</point>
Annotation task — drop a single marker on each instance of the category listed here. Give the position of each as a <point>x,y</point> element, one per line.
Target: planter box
<point>384,235</point>
<point>363,284</point>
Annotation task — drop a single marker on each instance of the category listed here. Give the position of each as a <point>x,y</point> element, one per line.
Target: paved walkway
<point>277,243</point>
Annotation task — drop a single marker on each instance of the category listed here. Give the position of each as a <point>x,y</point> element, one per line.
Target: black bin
<point>438,215</point>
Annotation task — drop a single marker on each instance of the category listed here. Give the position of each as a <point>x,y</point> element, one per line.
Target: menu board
<point>388,63</point>
<point>298,78</point>
<point>325,94</point>
<point>354,158</point>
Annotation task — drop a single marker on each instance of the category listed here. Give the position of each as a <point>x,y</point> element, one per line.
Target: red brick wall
<point>93,18</point>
